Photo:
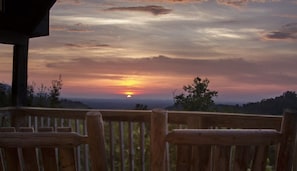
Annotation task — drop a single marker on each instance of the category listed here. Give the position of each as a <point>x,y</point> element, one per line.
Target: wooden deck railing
<point>128,132</point>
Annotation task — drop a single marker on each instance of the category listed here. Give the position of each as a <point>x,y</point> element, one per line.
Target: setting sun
<point>129,94</point>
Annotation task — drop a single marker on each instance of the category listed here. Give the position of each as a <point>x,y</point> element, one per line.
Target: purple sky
<point>247,49</point>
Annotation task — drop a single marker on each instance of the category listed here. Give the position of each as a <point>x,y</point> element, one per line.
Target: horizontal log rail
<point>175,117</point>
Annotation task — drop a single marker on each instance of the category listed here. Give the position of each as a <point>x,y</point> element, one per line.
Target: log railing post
<point>95,129</point>
<point>287,144</point>
<point>159,127</point>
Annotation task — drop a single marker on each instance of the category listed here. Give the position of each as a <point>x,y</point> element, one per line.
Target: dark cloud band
<point>287,32</point>
<point>156,10</point>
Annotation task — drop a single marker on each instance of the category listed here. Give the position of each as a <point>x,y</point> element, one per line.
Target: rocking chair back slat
<point>29,154</point>
<point>10,154</point>
<point>48,154</point>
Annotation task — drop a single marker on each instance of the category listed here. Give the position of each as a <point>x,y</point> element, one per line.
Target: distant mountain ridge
<point>271,106</point>
<point>101,103</point>
<point>274,106</point>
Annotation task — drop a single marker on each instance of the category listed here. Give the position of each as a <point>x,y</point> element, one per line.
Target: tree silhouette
<point>196,96</point>
<point>140,107</point>
<point>55,91</point>
<point>45,97</point>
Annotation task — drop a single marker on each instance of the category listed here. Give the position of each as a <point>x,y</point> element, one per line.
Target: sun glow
<point>129,94</point>
<point>129,82</point>
<point>130,85</point>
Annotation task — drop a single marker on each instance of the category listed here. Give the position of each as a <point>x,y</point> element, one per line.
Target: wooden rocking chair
<point>216,149</point>
<point>44,149</point>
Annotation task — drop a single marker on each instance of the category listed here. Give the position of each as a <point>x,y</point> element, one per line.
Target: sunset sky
<point>150,49</point>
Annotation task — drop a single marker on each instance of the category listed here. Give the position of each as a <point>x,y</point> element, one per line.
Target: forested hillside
<point>42,97</point>
<point>274,106</point>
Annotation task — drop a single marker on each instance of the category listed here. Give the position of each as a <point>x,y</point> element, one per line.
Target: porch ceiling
<point>29,18</point>
<point>19,21</point>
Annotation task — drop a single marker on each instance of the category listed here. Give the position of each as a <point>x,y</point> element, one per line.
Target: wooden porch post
<point>20,74</point>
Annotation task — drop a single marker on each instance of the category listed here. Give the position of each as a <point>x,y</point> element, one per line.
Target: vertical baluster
<point>122,146</point>
<point>86,148</point>
<point>77,129</point>
<point>48,121</point>
<point>142,146</point>
<point>29,121</point>
<point>111,146</point>
<point>69,123</point>
<point>62,122</point>
<point>131,146</point>
<point>35,123</point>
<point>41,120</point>
<point>55,123</point>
